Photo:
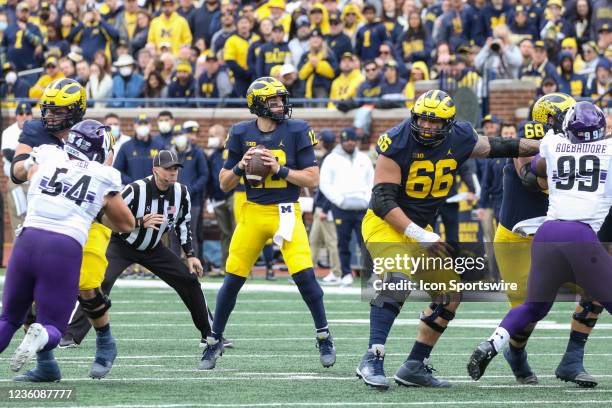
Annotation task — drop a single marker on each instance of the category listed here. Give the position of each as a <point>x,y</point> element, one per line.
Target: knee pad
<point>438,311</point>
<point>96,307</point>
<point>308,286</point>
<point>393,299</point>
<point>588,307</point>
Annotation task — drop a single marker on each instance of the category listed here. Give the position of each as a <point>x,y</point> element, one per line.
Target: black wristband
<point>138,223</point>
<point>237,170</point>
<point>283,172</point>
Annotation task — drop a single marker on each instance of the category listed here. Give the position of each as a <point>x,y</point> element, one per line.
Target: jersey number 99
<point>426,178</point>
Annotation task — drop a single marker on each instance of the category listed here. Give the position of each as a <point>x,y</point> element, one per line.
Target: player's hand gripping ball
<point>257,170</point>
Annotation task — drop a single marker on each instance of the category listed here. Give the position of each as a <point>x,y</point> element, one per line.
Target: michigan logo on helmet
<point>62,104</point>
<point>554,106</point>
<point>434,106</point>
<point>89,140</point>
<point>263,89</point>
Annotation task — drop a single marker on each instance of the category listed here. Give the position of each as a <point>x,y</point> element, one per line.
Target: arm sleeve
<point>305,155</point>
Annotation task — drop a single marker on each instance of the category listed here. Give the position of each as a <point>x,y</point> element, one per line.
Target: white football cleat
<point>346,281</point>
<point>331,279</point>
<point>35,339</point>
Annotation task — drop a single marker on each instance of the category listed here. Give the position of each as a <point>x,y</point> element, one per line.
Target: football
<point>256,169</point>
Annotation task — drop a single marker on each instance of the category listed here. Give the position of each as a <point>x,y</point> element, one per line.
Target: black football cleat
<point>480,359</point>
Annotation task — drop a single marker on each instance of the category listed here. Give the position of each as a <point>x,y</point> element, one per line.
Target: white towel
<point>286,212</point>
<point>528,227</point>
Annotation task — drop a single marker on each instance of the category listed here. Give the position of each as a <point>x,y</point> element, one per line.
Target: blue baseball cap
<point>348,134</point>
<point>327,136</point>
<point>490,118</point>
<point>23,108</point>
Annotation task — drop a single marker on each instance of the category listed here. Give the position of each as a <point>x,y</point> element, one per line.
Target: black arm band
<point>238,171</point>
<point>17,159</point>
<point>501,147</point>
<point>384,198</point>
<point>528,178</point>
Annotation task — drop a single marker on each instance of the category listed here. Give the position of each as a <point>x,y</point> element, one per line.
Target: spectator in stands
<point>539,67</point>
<point>183,85</point>
<point>167,66</point>
<point>591,58</point>
<point>67,22</point>
<point>112,120</point>
<point>214,81</point>
<point>166,127</point>
<point>580,18</point>
<point>351,19</point>
<point>371,87</point>
<point>235,54</point>
<point>207,21</point>
<point>144,61</point>
<point>82,72</point>
<point>187,10</point>
<point>457,25</point>
<point>22,40</point>
<point>194,175</point>
<point>13,86</point>
<point>68,67</point>
<point>126,83</point>
<point>392,87</point>
<point>278,16</point>
<point>221,202</point>
<point>272,53</point>
<point>55,43</point>
<point>549,85</point>
<point>318,20</point>
<point>601,85</point>
<point>499,56</point>
<point>344,87</point>
<point>224,32</point>
<point>141,32</point>
<point>126,20</point>
<point>570,82</point>
<point>299,44</point>
<point>387,52</point>
<point>262,36</point>
<point>169,27</point>
<point>556,27</point>
<point>526,48</point>
<point>338,41</point>
<point>371,35</point>
<point>135,156</point>
<point>415,44</point>
<point>99,86</point>
<point>288,75</point>
<point>389,19</point>
<point>347,177</point>
<point>535,14</point>
<point>51,74</point>
<point>570,45</point>
<point>155,88</point>
<point>93,34</point>
<point>418,72</point>
<point>605,40</point>
<point>318,67</point>
<point>521,26</point>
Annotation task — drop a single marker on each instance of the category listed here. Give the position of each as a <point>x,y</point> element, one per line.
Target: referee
<point>159,204</point>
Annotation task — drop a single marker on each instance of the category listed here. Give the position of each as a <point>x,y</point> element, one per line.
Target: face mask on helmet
<point>164,126</point>
<point>262,108</point>
<point>142,132</point>
<point>430,136</point>
<point>10,78</point>
<point>59,118</point>
<point>181,142</point>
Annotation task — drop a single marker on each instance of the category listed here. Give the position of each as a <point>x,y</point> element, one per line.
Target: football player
<point>565,246</point>
<point>68,190</point>
<point>271,209</point>
<point>415,169</point>
<point>523,199</point>
<point>63,105</point>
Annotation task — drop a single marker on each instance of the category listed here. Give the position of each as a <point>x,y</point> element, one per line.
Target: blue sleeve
<point>121,164</point>
<point>358,42</point>
<point>74,32</point>
<point>306,158</point>
<point>234,149</point>
<point>464,139</point>
<point>237,69</point>
<point>110,30</point>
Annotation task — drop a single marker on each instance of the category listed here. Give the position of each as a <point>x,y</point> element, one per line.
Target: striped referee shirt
<point>143,197</point>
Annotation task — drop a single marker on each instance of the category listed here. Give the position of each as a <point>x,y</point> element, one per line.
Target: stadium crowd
<point>331,49</point>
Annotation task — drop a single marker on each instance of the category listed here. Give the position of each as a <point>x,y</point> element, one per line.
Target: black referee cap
<point>166,159</point>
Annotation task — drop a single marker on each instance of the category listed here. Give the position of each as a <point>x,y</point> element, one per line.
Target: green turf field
<point>275,362</point>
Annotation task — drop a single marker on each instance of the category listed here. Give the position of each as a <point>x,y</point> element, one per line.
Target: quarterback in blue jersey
<point>415,169</point>
<point>271,210</point>
<point>523,199</point>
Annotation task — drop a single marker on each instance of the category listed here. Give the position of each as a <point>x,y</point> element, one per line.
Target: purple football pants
<point>44,268</point>
<point>562,251</point>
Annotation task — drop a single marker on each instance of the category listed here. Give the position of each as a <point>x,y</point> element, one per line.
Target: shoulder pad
<point>395,139</point>
<point>465,128</point>
<point>33,127</point>
<point>297,125</point>
<point>241,127</point>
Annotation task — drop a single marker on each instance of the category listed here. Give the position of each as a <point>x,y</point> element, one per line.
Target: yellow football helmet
<point>433,105</point>
<point>257,98</point>
<point>553,106</point>
<point>63,93</point>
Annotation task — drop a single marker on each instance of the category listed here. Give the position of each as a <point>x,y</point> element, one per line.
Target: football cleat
<point>213,350</point>
<point>414,373</point>
<point>570,369</point>
<point>45,371</point>
<point>270,276</point>
<point>226,343</point>
<point>371,368</point>
<point>330,279</point>
<point>35,339</point>
<point>327,350</point>
<point>67,342</point>
<point>480,359</point>
<point>520,367</point>
<point>106,352</point>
